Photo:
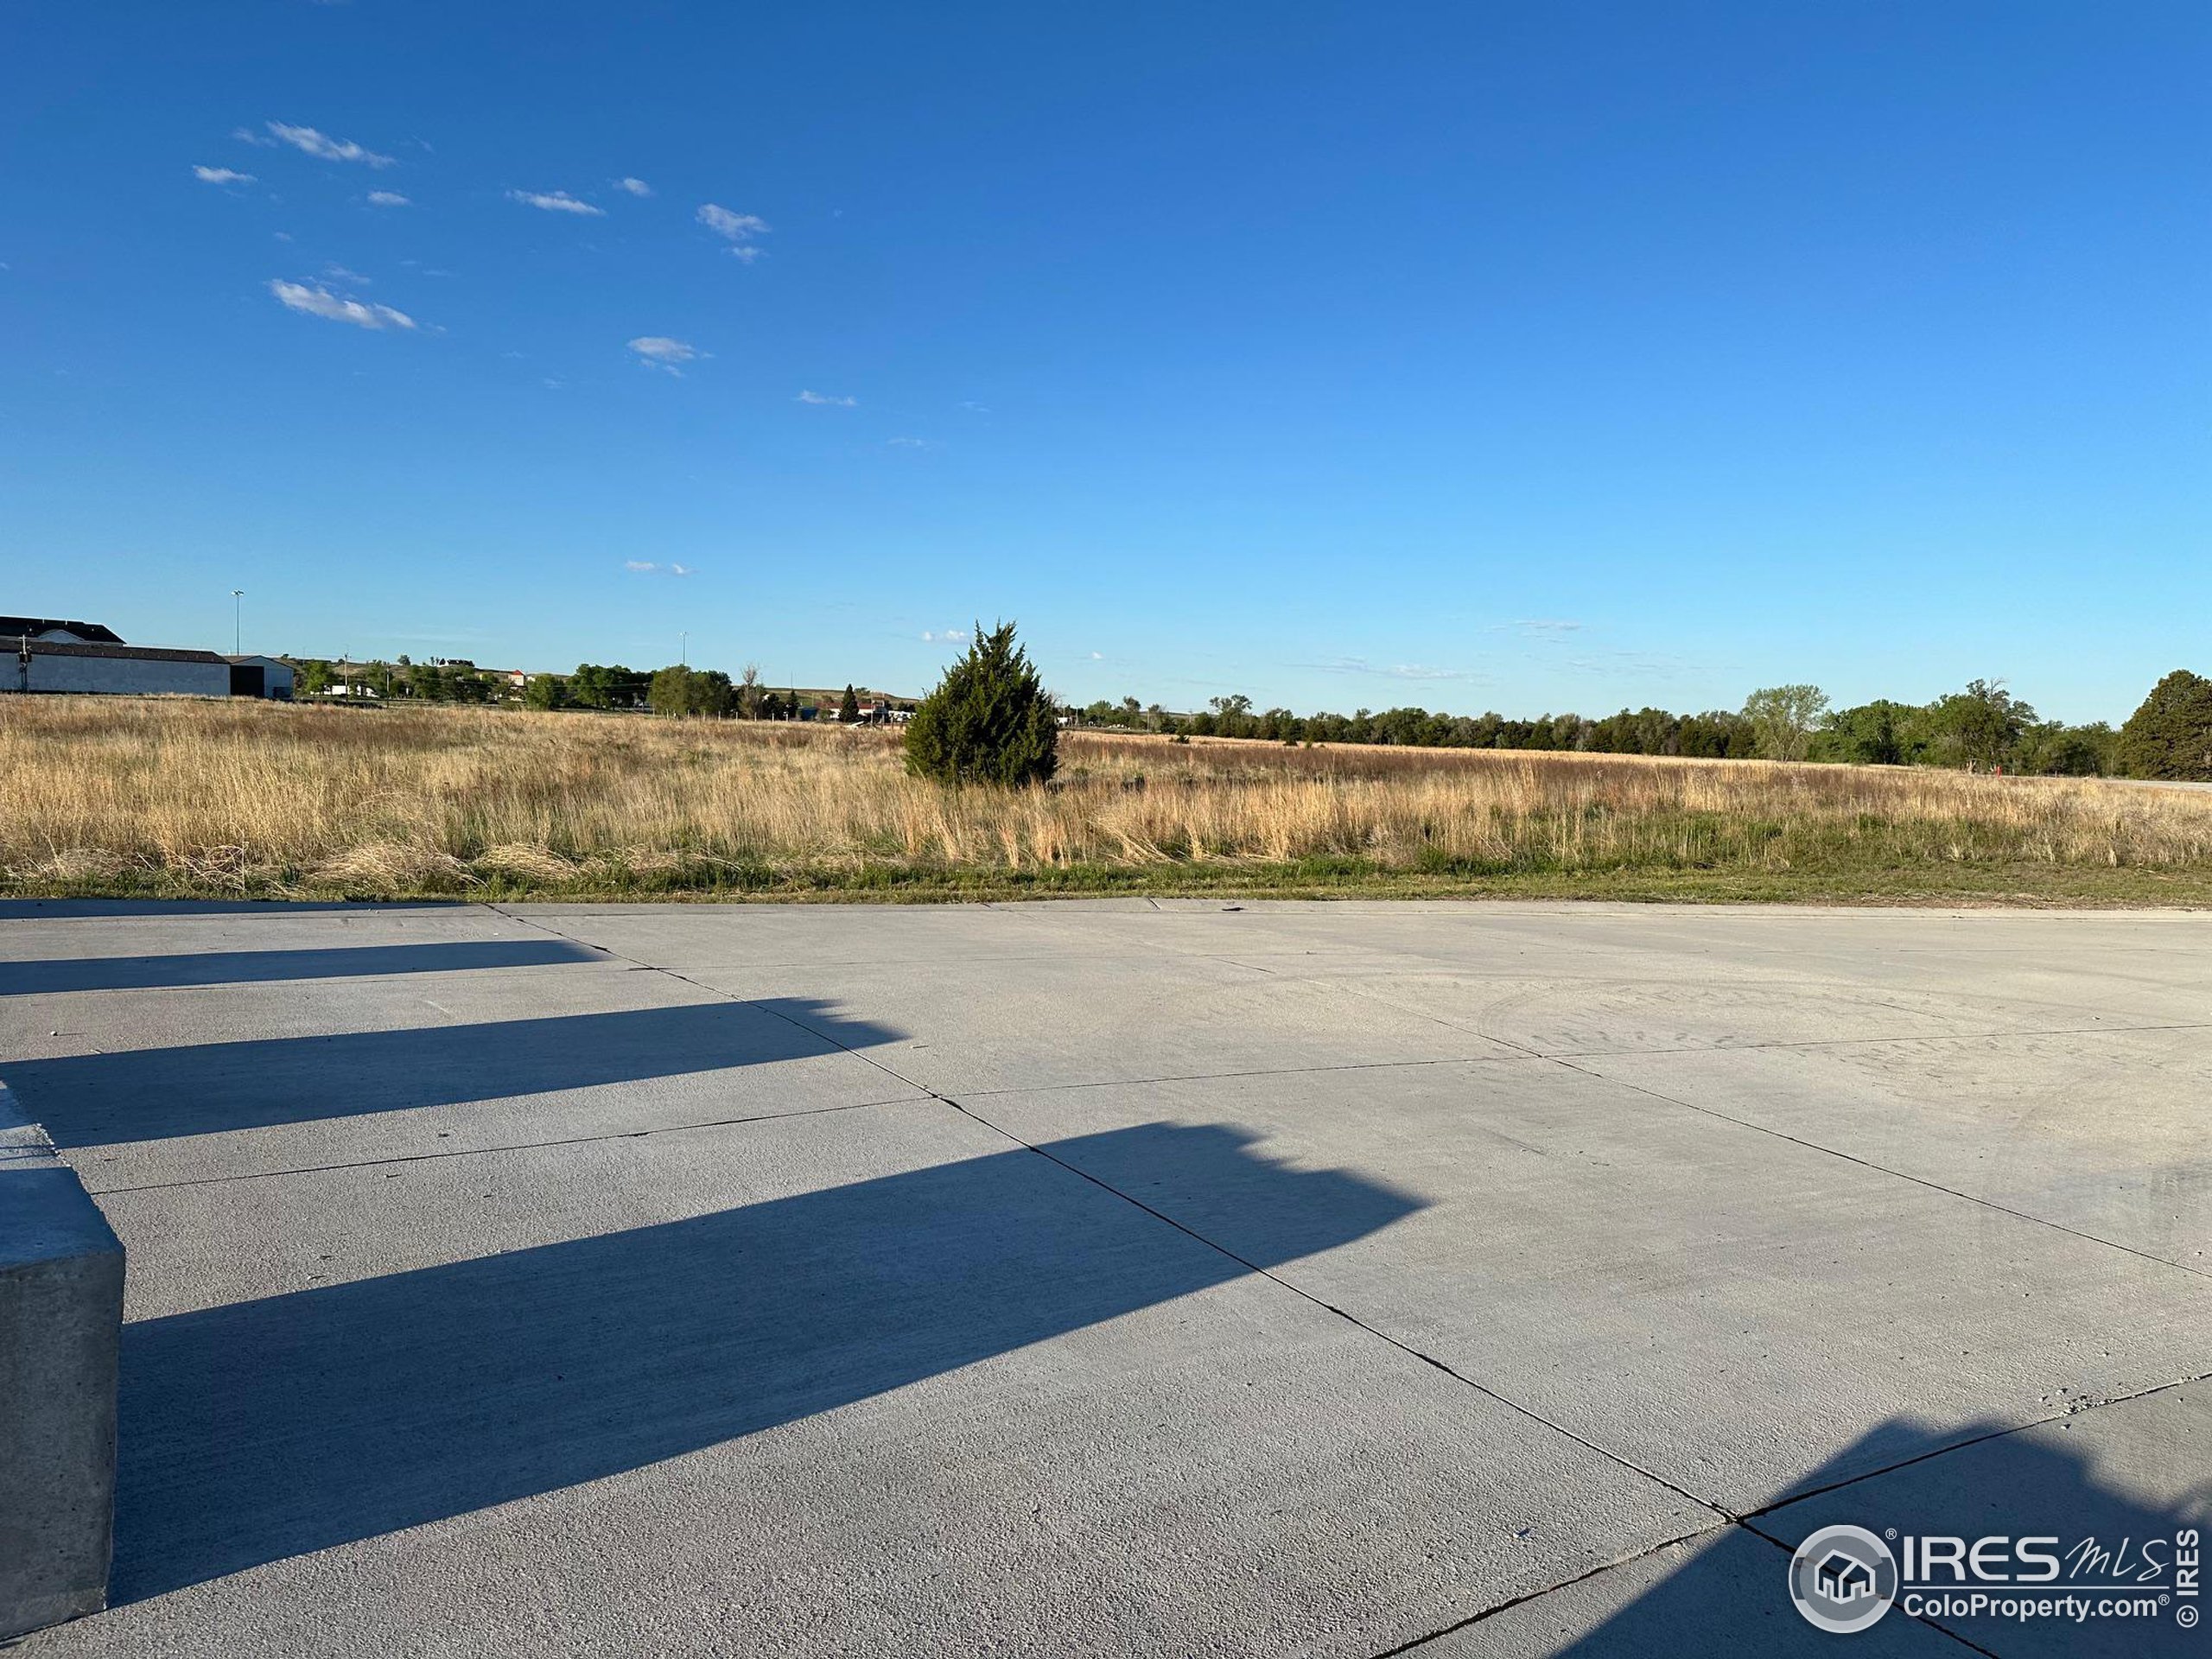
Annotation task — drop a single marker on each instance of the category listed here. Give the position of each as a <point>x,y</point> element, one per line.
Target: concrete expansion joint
<point>1722,1518</point>
<point>2074,1408</point>
<point>1568,1063</point>
<point>1273,1278</point>
<point>1865,1042</point>
<point>1884,1169</point>
<point>509,1145</point>
<point>1733,1523</point>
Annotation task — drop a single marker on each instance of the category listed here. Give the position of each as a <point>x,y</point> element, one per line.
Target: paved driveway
<point>1118,1277</point>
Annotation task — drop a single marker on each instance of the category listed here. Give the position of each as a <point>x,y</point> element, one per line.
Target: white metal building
<point>260,676</point>
<point>131,670</point>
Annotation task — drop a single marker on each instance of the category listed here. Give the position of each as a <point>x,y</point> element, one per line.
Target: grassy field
<point>109,796</point>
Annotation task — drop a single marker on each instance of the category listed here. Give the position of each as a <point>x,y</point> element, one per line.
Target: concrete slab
<point>1727,1309</point>
<point>1046,1022</point>
<point>877,1381</point>
<point>689,937</point>
<point>54,931</point>
<point>2080,1130</point>
<point>859,1377</point>
<point>2141,966</point>
<point>251,1078</point>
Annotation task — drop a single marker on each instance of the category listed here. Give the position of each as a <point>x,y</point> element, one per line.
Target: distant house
<point>15,629</point>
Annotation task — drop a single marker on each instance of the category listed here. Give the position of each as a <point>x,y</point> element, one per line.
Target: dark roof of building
<point>14,627</point>
<point>141,653</point>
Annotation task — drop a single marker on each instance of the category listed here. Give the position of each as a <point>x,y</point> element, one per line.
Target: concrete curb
<point>60,1329</point>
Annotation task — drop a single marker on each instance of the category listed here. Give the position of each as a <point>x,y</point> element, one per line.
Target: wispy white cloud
<point>909,443</point>
<point>683,570</point>
<point>1648,665</point>
<point>973,407</point>
<point>737,229</point>
<point>321,145</point>
<point>221,176</point>
<point>648,567</point>
<point>555,201</point>
<point>639,565</point>
<point>945,635</point>
<point>319,302</point>
<point>634,186</point>
<point>659,351</point>
<point>1537,627</point>
<point>388,199</point>
<point>1421,672</point>
<point>337,273</point>
<point>825,400</point>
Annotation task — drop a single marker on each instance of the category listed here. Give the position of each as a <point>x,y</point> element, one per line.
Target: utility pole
<point>238,621</point>
<point>683,648</point>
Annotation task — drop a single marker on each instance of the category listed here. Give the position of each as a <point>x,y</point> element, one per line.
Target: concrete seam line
<point>1979,1439</point>
<point>1928,1619</point>
<point>1903,1175</point>
<point>1854,1042</point>
<point>1261,1072</point>
<point>1728,1516</point>
<point>518,1145</point>
<point>1507,1606</point>
<point>1527,1596</point>
<point>1212,1244</point>
<point>1810,1146</point>
<point>1353,1319</point>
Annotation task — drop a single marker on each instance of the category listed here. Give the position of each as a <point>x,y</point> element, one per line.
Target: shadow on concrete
<point>258,967</point>
<point>90,1100</point>
<point>269,1428</point>
<point>31,910</point>
<point>1731,1592</point>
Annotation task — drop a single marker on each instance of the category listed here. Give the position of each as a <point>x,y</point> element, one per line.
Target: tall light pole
<point>683,648</point>
<point>238,621</point>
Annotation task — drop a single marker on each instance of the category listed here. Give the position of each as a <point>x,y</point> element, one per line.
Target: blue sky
<point>1535,356</point>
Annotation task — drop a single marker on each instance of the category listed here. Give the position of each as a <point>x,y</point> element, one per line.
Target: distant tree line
<point>1982,726</point>
<point>451,679</point>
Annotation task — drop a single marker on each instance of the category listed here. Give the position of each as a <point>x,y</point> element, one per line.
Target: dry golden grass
<point>185,797</point>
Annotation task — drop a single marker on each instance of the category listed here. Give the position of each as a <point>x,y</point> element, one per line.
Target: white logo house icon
<point>1843,1578</point>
